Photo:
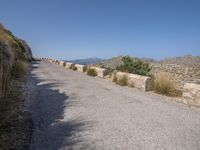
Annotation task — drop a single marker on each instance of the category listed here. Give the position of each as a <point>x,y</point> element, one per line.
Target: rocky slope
<point>15,55</point>
<point>13,48</point>
<point>184,69</point>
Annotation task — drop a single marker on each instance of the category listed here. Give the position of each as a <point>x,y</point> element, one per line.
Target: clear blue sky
<point>71,29</point>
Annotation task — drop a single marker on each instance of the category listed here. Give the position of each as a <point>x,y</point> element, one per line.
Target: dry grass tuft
<point>114,76</point>
<point>165,84</point>
<point>91,72</point>
<point>123,81</point>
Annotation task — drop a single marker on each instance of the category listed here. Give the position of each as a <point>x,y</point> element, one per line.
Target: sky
<point>74,29</point>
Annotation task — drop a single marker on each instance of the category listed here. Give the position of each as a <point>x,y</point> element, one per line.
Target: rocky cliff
<point>12,48</point>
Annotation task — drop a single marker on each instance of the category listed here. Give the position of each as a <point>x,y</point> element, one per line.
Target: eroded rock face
<point>6,54</point>
<point>12,48</point>
<point>27,50</point>
<point>192,91</point>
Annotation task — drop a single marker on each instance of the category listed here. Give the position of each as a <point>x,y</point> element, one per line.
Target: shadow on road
<point>48,106</point>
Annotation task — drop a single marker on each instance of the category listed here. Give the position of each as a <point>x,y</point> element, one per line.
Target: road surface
<point>71,110</point>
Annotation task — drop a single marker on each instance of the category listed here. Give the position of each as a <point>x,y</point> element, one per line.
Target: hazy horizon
<point>92,28</point>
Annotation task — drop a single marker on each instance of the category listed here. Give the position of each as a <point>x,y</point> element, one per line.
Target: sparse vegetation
<point>134,65</point>
<point>21,68</point>
<point>14,57</point>
<point>164,84</point>
<point>91,72</point>
<point>114,76</point>
<point>74,68</point>
<point>123,81</point>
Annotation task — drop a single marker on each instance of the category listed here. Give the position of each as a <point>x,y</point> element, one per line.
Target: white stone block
<point>141,82</point>
<point>80,68</point>
<point>101,72</point>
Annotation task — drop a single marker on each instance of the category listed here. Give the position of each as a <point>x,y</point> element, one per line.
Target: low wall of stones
<point>143,83</point>
<point>68,65</point>
<point>192,92</point>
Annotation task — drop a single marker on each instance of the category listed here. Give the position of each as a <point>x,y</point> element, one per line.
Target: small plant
<point>134,65</point>
<point>74,68</point>
<point>91,72</point>
<point>123,81</point>
<point>114,76</point>
<point>164,84</point>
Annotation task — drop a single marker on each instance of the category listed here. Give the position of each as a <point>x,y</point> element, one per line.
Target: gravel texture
<point>71,110</point>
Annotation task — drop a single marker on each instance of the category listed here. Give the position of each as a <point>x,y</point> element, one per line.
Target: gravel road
<point>71,110</point>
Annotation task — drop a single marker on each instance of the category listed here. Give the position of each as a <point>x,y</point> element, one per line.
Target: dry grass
<point>123,81</point>
<point>15,128</point>
<point>91,72</point>
<point>74,68</point>
<point>114,76</point>
<point>13,122</point>
<point>20,69</point>
<point>165,84</point>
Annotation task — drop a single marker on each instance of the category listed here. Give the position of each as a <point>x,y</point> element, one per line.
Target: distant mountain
<point>87,61</point>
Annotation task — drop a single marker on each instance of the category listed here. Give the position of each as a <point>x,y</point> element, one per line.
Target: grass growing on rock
<point>74,68</point>
<point>91,72</point>
<point>164,84</point>
<point>114,76</point>
<point>123,81</point>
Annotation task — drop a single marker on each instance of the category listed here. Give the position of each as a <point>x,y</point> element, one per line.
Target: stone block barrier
<point>143,83</point>
<point>192,91</point>
<point>68,65</point>
<point>101,72</point>
<point>80,68</point>
<point>61,63</point>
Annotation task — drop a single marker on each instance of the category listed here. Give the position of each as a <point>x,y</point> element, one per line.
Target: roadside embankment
<point>15,124</point>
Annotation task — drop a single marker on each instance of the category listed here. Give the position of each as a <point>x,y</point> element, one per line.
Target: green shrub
<point>20,69</point>
<point>123,81</point>
<point>134,65</point>
<point>164,84</point>
<point>91,72</point>
<point>74,68</point>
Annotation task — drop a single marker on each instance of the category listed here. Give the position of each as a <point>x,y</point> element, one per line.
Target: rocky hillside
<point>185,60</point>
<point>13,48</point>
<point>111,63</point>
<point>184,69</point>
<point>15,56</point>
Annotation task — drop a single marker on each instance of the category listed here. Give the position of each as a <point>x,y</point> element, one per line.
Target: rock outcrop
<point>12,48</point>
